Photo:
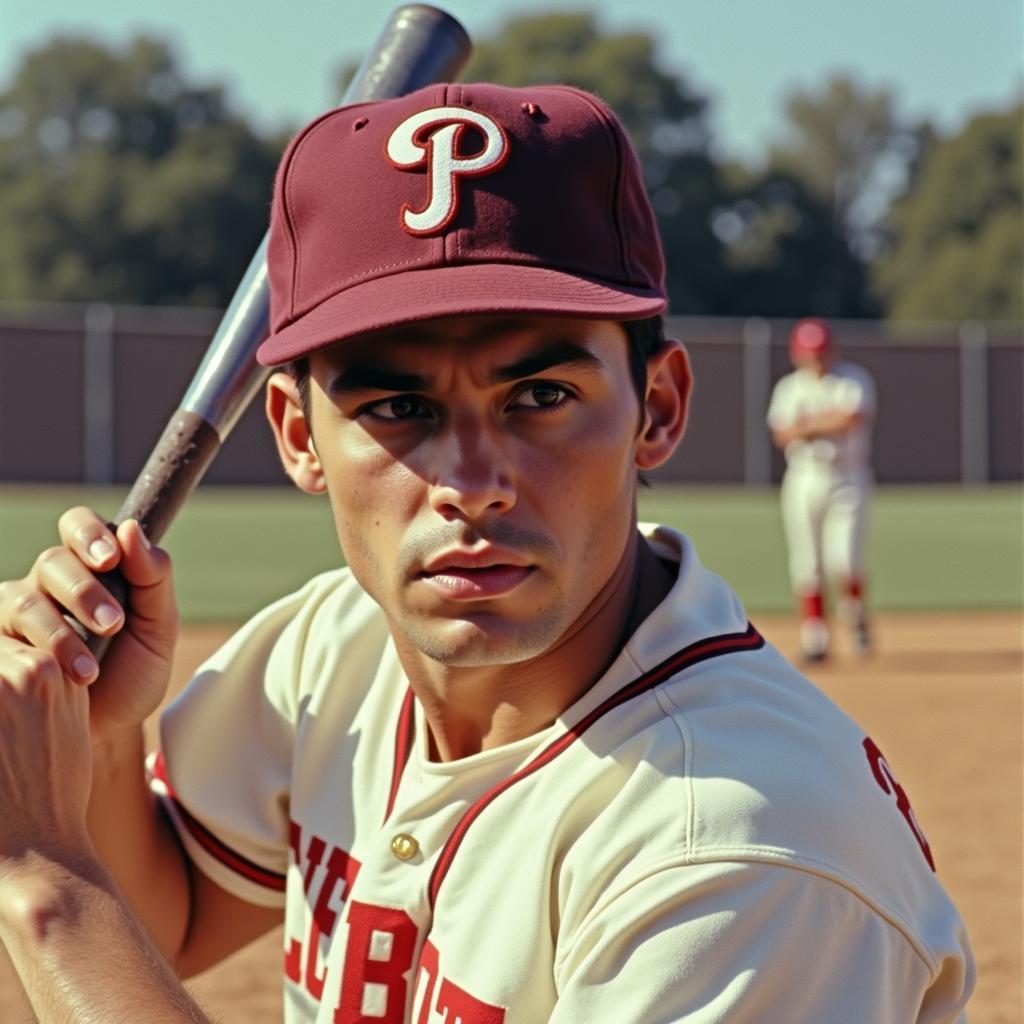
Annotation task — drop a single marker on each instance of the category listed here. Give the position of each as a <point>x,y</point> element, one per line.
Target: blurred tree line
<point>122,181</point>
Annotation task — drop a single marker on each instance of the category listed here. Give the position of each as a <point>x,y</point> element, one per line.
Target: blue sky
<point>945,59</point>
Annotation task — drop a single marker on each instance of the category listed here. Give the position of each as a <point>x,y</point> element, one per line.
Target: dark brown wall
<point>712,449</point>
<point>917,435</point>
<point>917,430</point>
<point>41,403</point>
<point>1005,412</point>
<point>153,373</point>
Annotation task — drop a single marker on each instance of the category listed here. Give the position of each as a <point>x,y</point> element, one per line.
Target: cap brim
<point>466,290</point>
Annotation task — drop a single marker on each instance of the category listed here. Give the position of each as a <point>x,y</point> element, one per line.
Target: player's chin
<point>480,639</point>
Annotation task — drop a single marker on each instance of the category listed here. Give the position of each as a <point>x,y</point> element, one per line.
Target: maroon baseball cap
<point>810,336</point>
<point>458,199</point>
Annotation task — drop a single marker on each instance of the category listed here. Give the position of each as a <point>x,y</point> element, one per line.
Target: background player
<point>821,416</point>
<point>524,759</point>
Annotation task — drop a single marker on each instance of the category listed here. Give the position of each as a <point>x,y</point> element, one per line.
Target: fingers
<point>22,666</point>
<point>63,579</point>
<point>87,535</point>
<point>142,563</point>
<point>32,616</point>
<point>148,569</point>
<point>59,574</point>
<point>33,609</point>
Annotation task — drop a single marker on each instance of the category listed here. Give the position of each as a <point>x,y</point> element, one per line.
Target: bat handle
<point>177,463</point>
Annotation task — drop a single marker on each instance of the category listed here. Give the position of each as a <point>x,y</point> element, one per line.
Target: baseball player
<point>523,759</point>
<point>820,415</point>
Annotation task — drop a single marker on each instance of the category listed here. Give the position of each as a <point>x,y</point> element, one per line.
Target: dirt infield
<point>942,697</point>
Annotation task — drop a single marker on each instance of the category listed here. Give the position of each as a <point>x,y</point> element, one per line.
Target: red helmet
<point>810,336</point>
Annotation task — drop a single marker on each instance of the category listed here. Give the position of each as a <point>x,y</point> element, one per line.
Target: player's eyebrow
<point>545,356</point>
<point>374,376</point>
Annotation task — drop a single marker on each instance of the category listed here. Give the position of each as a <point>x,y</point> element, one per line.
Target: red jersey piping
<point>710,647</point>
<point>403,747</point>
<point>214,846</point>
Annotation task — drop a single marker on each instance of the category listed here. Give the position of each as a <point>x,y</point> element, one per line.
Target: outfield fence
<point>86,390</point>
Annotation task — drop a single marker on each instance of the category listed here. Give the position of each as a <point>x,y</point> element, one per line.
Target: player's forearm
<point>831,423</point>
<point>136,843</point>
<point>82,956</point>
<point>783,436</point>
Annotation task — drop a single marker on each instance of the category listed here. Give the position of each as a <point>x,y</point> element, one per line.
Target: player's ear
<point>292,434</point>
<point>665,405</point>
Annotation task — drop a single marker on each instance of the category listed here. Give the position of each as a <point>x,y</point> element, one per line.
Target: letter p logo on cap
<point>432,137</point>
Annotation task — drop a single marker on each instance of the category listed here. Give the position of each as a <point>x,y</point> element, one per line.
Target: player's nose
<point>473,473</point>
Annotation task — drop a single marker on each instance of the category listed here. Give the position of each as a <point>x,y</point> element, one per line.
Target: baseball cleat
<point>813,657</point>
<point>861,639</point>
<point>813,640</point>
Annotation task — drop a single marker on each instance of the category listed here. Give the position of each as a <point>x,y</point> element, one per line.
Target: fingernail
<point>106,615</point>
<point>84,666</point>
<point>100,550</point>
<point>143,539</point>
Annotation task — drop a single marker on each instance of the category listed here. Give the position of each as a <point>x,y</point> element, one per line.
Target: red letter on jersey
<point>381,944</point>
<point>341,867</point>
<point>429,966</point>
<point>885,778</point>
<point>460,1007</point>
<point>454,1004</point>
<point>314,854</point>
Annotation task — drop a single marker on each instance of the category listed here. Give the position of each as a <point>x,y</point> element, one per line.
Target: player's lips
<point>471,575</point>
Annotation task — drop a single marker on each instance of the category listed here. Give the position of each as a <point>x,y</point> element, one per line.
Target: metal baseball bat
<point>419,45</point>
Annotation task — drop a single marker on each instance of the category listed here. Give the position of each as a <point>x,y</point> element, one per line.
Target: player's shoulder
<point>851,372</point>
<point>301,638</point>
<point>786,383</point>
<point>335,599</point>
<point>778,774</point>
<point>343,633</point>
<point>796,386</point>
<point>767,754</point>
<point>737,758</point>
<point>852,385</point>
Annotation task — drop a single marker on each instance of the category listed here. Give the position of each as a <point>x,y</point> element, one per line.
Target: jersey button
<point>404,846</point>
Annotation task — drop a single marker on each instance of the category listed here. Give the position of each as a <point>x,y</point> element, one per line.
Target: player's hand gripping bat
<point>419,45</point>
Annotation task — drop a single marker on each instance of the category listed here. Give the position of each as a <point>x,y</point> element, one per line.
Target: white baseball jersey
<point>843,388</point>
<point>702,836</point>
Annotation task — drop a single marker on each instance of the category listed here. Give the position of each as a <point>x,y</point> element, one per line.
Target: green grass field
<point>235,549</point>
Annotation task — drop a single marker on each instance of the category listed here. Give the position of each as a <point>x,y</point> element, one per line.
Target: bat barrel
<point>229,377</point>
<point>420,44</point>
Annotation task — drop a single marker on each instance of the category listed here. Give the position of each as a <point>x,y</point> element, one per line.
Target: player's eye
<point>399,407</point>
<point>543,395</point>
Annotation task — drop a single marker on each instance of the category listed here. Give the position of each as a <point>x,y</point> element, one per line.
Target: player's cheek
<point>374,502</point>
<point>584,493</point>
<point>591,465</point>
